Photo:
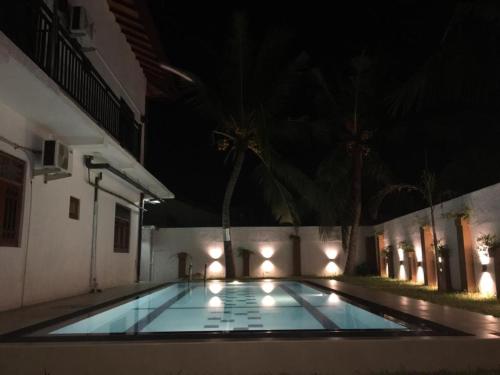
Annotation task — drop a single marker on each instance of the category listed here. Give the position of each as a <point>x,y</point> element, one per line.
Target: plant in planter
<point>486,246</point>
<point>442,250</point>
<point>386,251</point>
<point>406,247</point>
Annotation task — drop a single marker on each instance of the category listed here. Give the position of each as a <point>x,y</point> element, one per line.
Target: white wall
<point>199,242</point>
<point>484,218</point>
<point>53,259</point>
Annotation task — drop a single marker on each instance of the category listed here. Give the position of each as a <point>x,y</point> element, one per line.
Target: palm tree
<point>245,99</point>
<point>349,117</point>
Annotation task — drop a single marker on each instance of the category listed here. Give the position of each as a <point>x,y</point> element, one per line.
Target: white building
<point>83,84</point>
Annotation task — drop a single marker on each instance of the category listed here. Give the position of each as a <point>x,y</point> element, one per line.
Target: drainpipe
<point>93,251</point>
<point>139,238</point>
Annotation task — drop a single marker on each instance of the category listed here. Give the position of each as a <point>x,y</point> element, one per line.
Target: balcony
<point>31,25</point>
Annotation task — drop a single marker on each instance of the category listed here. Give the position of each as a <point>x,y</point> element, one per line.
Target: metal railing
<point>32,26</point>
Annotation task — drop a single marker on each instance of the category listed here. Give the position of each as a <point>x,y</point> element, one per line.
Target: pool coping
<point>437,330</point>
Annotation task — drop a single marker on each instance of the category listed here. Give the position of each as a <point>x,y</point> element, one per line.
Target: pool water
<point>229,307</point>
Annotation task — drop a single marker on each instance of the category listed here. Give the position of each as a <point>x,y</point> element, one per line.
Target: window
<point>11,199</point>
<point>74,208</point>
<point>122,229</point>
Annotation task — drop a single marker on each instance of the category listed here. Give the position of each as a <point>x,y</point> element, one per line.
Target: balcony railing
<point>32,26</point>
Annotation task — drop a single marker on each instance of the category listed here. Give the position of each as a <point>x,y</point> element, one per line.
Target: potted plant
<point>407,247</point>
<point>487,244</point>
<point>387,251</point>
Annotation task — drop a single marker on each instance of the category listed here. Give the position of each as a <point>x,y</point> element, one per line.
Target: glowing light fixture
<point>420,275</point>
<point>268,301</point>
<point>267,266</point>
<point>216,267</point>
<point>331,253</point>
<point>486,284</point>
<point>267,286</point>
<point>215,252</point>
<point>267,252</point>
<point>402,272</point>
<point>401,254</point>
<point>332,268</point>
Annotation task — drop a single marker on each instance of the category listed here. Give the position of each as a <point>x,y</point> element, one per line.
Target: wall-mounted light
<point>215,267</point>
<point>332,268</point>
<point>331,253</point>
<point>267,266</point>
<point>215,252</point>
<point>486,284</point>
<point>401,254</point>
<point>267,252</point>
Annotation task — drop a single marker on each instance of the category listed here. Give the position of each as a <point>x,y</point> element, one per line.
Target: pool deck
<point>255,356</point>
<point>479,325</point>
<point>27,316</point>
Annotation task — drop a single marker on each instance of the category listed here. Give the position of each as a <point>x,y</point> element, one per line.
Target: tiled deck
<point>19,318</point>
<point>479,325</point>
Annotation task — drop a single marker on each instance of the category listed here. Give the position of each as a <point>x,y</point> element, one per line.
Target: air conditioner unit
<point>81,27</point>
<point>55,157</point>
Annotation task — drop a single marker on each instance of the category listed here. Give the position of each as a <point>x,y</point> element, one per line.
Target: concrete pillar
<point>381,256</point>
<point>428,256</point>
<point>297,268</point>
<point>496,264</point>
<point>181,271</point>
<point>465,255</point>
<point>412,266</point>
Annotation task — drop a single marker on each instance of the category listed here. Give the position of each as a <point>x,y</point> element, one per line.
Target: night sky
<point>459,142</point>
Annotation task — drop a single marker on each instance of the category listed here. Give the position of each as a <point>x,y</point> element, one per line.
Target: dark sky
<point>459,141</point>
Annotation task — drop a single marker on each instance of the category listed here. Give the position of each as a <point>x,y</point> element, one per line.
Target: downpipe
<point>93,252</point>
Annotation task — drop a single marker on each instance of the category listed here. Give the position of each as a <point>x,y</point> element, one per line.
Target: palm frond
<point>377,200</point>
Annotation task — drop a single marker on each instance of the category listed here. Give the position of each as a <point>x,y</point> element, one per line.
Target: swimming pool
<point>232,309</point>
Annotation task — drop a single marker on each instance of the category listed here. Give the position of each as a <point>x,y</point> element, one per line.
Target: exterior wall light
<point>486,284</point>
<point>267,252</point>
<point>267,266</point>
<point>332,268</point>
<point>331,253</point>
<point>215,252</point>
<point>215,268</point>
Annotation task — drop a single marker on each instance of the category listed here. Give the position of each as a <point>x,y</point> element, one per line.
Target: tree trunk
<point>356,207</point>
<point>226,214</point>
